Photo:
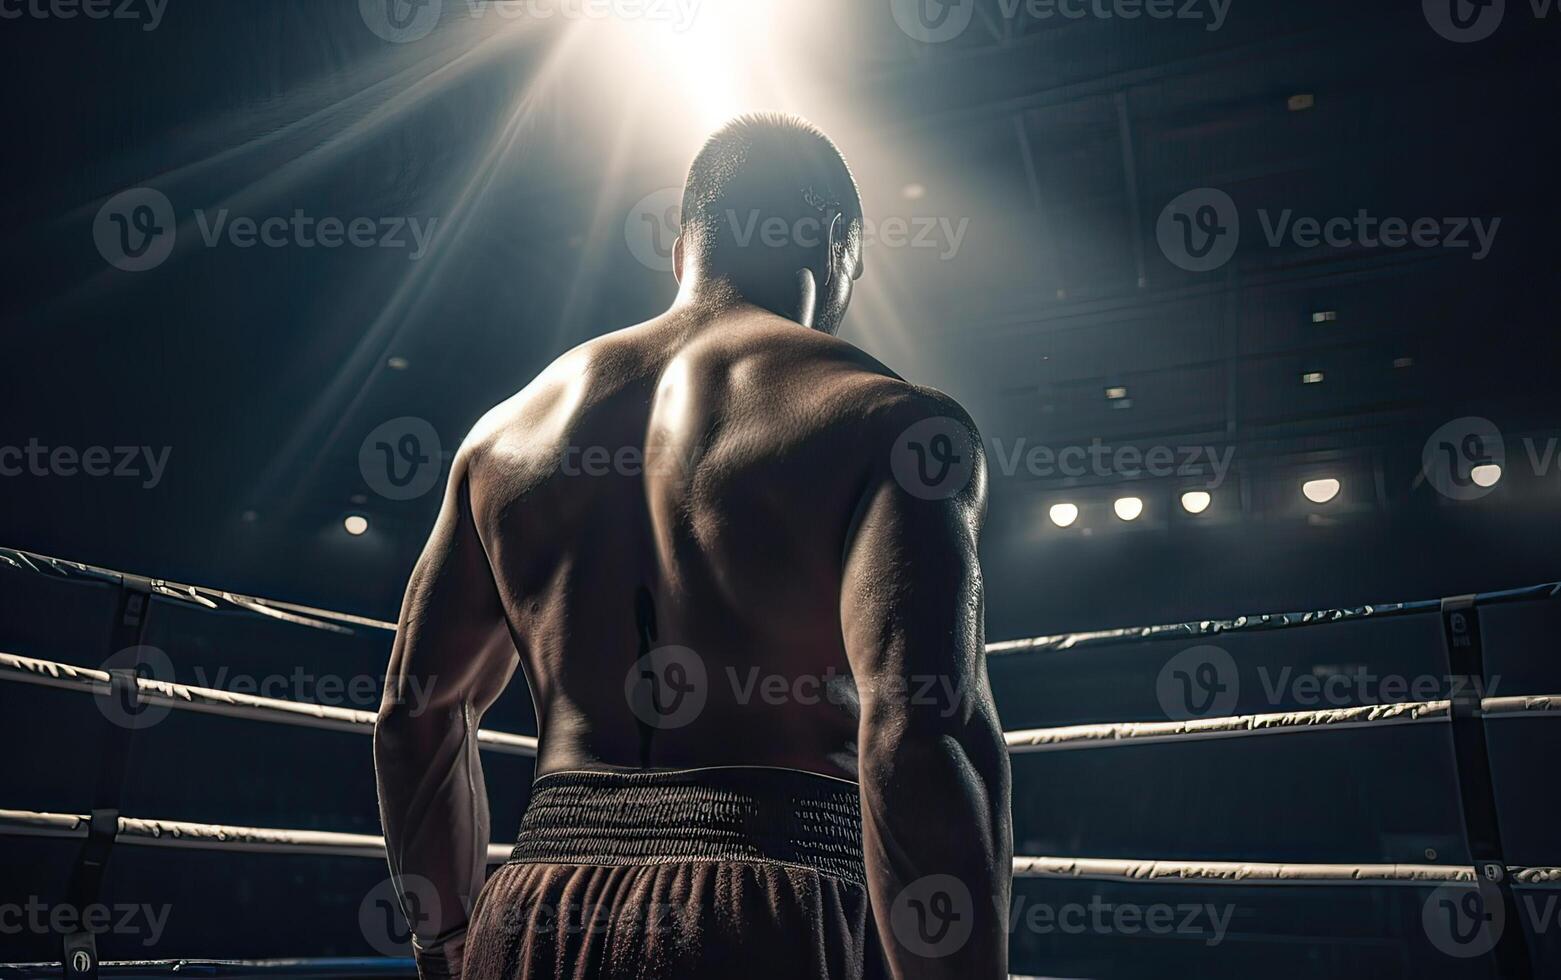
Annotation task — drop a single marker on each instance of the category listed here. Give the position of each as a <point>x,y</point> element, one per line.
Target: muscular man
<point>736,559</point>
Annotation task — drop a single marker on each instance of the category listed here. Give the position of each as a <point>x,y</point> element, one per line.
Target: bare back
<point>685,488</point>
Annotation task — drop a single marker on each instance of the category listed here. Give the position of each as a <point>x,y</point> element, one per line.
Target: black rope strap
<point>121,711</point>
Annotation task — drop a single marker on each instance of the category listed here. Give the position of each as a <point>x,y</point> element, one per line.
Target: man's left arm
<point>453,656</point>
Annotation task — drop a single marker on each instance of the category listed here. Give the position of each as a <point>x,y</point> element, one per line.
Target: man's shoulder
<point>887,406</point>
<point>582,369</point>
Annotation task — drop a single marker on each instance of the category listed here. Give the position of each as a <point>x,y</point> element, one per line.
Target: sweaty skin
<point>734,468</point>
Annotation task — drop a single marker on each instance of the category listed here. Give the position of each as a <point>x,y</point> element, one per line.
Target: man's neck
<point>720,294</point>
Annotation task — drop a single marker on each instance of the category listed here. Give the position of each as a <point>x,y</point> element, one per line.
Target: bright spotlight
<point>709,60</point>
<point>1196,501</point>
<point>1320,491</point>
<point>356,524</point>
<point>1128,508</point>
<point>1063,515</point>
<point>1485,475</point>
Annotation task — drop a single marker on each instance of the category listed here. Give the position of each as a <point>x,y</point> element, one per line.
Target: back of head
<point>765,184</point>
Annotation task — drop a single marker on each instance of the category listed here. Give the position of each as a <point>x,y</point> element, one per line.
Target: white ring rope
<point>1065,738</point>
<point>1149,871</point>
<point>291,612</point>
<point>1107,735</point>
<point>270,840</point>
<point>210,837</point>
<point>228,703</point>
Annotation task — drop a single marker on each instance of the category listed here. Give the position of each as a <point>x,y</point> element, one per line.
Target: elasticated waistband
<point>785,816</point>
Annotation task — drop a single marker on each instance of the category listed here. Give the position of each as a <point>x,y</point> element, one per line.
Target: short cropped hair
<point>761,166</point>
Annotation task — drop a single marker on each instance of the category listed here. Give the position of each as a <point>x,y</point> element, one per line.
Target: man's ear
<point>677,260</point>
<point>808,293</point>
<point>834,244</point>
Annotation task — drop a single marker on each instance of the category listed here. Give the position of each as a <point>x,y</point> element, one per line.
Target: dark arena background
<point>1254,304</point>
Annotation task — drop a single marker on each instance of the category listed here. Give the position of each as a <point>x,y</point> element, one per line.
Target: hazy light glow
<point>707,61</point>
<point>356,524</point>
<point>1128,508</point>
<point>1196,501</point>
<point>1320,491</point>
<point>1485,475</point>
<point>1063,515</point>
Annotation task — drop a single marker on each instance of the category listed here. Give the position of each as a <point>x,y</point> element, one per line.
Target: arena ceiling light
<point>1128,508</point>
<point>1064,514</point>
<point>1196,501</point>
<point>1320,491</point>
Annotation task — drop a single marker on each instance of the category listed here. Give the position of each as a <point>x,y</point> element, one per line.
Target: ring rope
<point>230,704</point>
<point>210,837</point>
<point>1247,624</point>
<point>1150,871</point>
<point>1065,738</point>
<point>341,622</point>
<point>270,840</point>
<point>215,599</point>
<point>1110,734</point>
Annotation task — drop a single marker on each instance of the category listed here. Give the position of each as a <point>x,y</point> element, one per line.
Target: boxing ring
<point>1465,713</point>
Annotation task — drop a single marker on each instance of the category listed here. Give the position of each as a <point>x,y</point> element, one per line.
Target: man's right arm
<point>933,763</point>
